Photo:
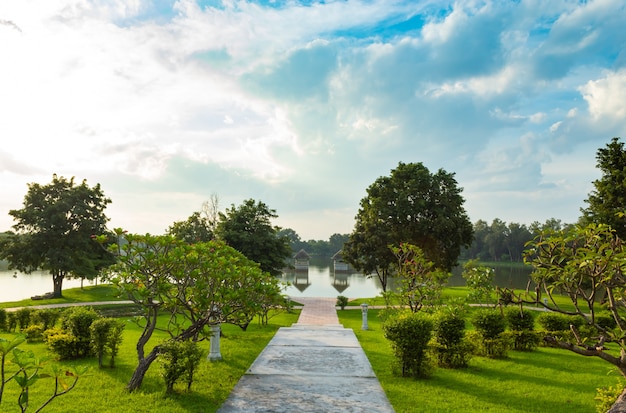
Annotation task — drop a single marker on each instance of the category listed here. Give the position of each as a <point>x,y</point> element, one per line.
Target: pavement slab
<point>314,366</point>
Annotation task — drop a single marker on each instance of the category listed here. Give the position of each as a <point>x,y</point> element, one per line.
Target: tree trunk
<point>620,404</point>
<point>142,368</point>
<point>57,281</point>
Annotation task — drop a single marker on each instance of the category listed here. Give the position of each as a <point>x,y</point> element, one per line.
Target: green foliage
<point>22,316</point>
<point>409,206</point>
<point>195,284</point>
<point>34,332</point>
<point>248,229</point>
<point>3,320</point>
<point>607,396</point>
<point>196,228</point>
<point>342,301</point>
<point>521,322</point>
<point>47,317</point>
<point>409,334</point>
<point>451,348</point>
<point>11,322</point>
<point>606,202</point>
<point>72,339</point>
<point>106,335</point>
<point>419,282</point>
<point>61,342</point>
<point>54,229</point>
<point>179,359</point>
<point>552,322</point>
<point>479,280</point>
<point>489,325</point>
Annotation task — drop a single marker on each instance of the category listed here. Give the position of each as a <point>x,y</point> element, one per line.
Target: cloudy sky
<point>303,104</point>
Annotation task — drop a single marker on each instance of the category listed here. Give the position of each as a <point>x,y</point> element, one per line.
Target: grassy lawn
<point>103,391</point>
<point>103,292</point>
<point>547,380</point>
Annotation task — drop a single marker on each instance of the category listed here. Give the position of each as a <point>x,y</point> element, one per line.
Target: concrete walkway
<point>314,366</point>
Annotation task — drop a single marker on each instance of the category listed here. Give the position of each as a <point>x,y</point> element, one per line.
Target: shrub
<point>606,396</point>
<point>106,334</point>
<point>76,322</point>
<point>3,320</point>
<point>11,322</point>
<point>62,343</point>
<point>450,346</point>
<point>33,332</point>
<point>179,359</point>
<point>409,334</point>
<point>522,323</point>
<point>23,317</point>
<point>490,325</point>
<point>553,322</point>
<point>48,317</point>
<point>342,301</point>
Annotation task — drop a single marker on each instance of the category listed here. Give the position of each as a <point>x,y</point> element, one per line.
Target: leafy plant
<point>106,334</point>
<point>179,359</point>
<point>409,334</point>
<point>342,302</point>
<point>450,345</point>
<point>489,325</point>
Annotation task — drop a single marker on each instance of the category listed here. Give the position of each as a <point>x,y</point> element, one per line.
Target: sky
<point>303,104</point>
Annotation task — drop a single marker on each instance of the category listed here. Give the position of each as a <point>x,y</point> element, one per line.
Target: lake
<point>320,280</point>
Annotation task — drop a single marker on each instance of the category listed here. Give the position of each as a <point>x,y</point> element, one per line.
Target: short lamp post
<point>214,352</point>
<point>364,316</point>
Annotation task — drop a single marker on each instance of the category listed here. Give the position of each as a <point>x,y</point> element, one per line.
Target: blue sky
<point>303,104</point>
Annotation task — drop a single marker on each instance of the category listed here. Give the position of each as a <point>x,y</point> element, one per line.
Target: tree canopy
<point>414,206</point>
<point>607,201</point>
<point>54,228</point>
<point>196,228</point>
<point>249,230</point>
<point>197,285</point>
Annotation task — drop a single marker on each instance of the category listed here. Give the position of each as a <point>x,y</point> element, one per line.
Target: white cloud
<point>606,97</point>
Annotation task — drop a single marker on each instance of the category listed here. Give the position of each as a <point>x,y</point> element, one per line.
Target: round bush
<point>409,334</point>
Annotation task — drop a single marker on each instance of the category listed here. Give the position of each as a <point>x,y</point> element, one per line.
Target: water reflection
<point>321,279</point>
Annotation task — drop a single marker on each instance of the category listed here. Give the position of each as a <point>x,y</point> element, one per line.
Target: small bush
<point>76,322</point>
<point>34,332</point>
<point>23,317</point>
<point>3,320</point>
<point>179,359</point>
<point>409,334</point>
<point>106,335</point>
<point>449,345</point>
<point>553,322</point>
<point>490,325</point>
<point>519,319</point>
<point>11,322</point>
<point>48,317</point>
<point>342,301</point>
<point>62,343</point>
<point>522,323</point>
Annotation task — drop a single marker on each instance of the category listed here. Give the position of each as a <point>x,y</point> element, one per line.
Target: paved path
<point>314,366</point>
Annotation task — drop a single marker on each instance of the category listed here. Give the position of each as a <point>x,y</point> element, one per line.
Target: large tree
<point>248,229</point>
<point>196,285</point>
<point>414,206</point>
<point>607,201</point>
<point>54,228</point>
<point>196,228</point>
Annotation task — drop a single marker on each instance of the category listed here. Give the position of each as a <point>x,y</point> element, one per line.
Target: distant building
<point>301,260</point>
<point>338,263</point>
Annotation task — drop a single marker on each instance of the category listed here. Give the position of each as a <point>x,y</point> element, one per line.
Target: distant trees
<point>248,229</point>
<point>414,206</point>
<point>195,229</point>
<point>54,228</point>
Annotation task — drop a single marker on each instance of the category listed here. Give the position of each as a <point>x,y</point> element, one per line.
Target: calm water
<point>16,286</point>
<point>320,280</point>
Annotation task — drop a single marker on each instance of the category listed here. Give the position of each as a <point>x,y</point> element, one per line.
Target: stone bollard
<point>214,353</point>
<point>364,315</point>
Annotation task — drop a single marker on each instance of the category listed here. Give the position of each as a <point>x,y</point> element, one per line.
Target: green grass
<point>103,389</point>
<point>547,380</point>
<point>103,292</point>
